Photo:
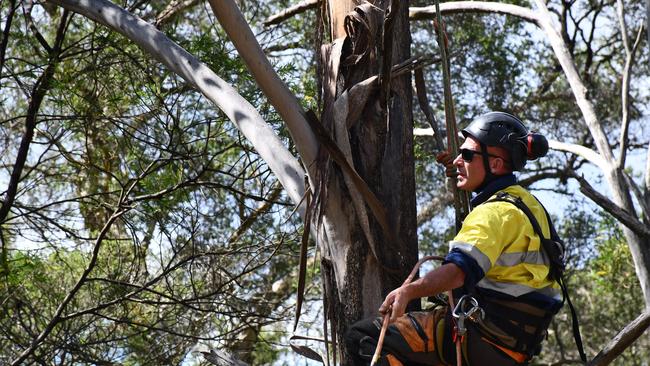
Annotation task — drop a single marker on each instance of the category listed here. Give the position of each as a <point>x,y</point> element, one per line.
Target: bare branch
<point>291,11</point>
<point>646,174</point>
<point>421,13</point>
<point>625,94</point>
<point>645,208</point>
<point>620,12</point>
<point>5,34</point>
<point>627,219</point>
<point>582,151</point>
<point>273,87</point>
<point>647,16</point>
<point>622,340</point>
<point>429,12</point>
<point>197,74</point>
<point>421,92</point>
<point>172,10</point>
<point>437,204</point>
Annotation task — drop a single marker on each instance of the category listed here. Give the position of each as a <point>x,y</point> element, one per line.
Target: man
<point>497,258</point>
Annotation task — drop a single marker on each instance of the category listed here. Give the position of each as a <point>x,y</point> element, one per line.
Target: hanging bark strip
<point>375,205</point>
<point>386,48</point>
<point>356,249</point>
<point>461,198</point>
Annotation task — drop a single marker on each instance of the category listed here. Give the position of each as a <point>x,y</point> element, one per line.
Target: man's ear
<point>498,166</point>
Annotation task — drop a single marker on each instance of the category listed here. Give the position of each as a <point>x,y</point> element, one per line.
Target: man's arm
<point>446,277</point>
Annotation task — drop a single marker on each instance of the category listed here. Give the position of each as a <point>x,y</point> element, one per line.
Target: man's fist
<point>447,160</point>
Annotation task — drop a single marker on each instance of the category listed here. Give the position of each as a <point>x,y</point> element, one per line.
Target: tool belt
<point>516,325</point>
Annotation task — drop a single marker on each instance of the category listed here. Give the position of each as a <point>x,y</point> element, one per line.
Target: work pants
<point>421,338</point>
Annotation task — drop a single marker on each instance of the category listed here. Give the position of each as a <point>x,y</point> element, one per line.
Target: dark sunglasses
<point>467,155</point>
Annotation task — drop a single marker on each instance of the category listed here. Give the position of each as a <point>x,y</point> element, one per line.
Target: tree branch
<point>457,7</point>
<point>38,94</point>
<point>172,10</point>
<point>625,93</point>
<point>646,174</point>
<point>620,214</point>
<point>5,34</point>
<point>645,208</point>
<point>291,11</point>
<point>276,91</point>
<point>622,340</point>
<point>582,151</point>
<point>197,74</point>
<point>436,205</point>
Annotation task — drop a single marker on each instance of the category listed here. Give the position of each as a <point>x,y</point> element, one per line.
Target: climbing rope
<point>461,198</point>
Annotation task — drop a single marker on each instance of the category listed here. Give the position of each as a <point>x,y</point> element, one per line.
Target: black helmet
<point>507,131</point>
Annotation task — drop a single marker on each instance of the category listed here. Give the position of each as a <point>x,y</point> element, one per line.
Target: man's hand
<point>446,277</point>
<point>395,303</point>
<point>447,160</point>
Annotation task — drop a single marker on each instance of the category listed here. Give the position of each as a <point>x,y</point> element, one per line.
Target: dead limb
<point>622,340</point>
<point>287,13</point>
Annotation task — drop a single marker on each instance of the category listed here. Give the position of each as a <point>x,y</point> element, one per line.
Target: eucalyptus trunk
<point>361,263</point>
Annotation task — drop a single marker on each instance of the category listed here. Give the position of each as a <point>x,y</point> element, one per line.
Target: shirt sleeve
<point>482,238</point>
<point>473,272</point>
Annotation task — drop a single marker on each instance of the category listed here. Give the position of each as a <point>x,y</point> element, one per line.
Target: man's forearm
<point>446,277</point>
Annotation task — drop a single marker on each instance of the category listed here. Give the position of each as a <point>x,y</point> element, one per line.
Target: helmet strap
<point>489,177</point>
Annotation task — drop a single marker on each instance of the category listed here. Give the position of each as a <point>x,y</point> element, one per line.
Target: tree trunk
<point>360,264</point>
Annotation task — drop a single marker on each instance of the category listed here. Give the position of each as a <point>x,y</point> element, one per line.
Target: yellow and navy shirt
<point>498,249</point>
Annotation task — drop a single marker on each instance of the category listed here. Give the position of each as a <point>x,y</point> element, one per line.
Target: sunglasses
<point>467,155</point>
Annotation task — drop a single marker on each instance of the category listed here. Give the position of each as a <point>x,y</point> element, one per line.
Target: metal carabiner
<point>460,312</point>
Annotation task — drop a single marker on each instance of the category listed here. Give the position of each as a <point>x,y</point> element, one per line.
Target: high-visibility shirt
<point>501,240</point>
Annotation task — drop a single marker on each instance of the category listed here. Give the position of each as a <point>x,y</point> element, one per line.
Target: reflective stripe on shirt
<point>500,238</point>
<point>516,289</point>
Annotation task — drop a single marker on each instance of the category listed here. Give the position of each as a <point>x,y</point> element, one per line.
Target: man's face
<point>470,173</point>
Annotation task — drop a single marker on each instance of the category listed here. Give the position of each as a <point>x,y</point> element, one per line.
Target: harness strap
<point>512,314</point>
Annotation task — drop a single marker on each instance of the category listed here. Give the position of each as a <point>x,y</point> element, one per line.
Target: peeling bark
<point>365,265</point>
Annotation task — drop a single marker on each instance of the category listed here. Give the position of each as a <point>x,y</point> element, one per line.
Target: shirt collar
<point>491,188</point>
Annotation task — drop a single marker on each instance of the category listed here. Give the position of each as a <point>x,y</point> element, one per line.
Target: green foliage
<point>204,234</point>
